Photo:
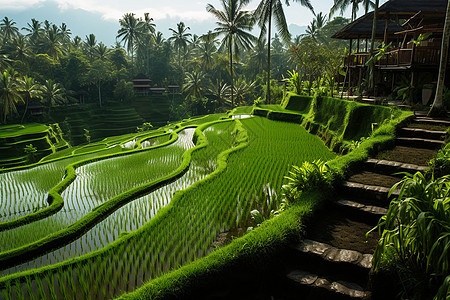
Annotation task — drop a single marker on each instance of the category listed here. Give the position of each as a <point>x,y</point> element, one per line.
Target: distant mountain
<point>295,29</point>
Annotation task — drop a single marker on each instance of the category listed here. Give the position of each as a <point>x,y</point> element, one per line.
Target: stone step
<point>419,142</point>
<point>389,167</point>
<point>367,213</point>
<point>421,133</point>
<point>431,121</point>
<point>309,286</point>
<point>366,194</point>
<point>321,258</point>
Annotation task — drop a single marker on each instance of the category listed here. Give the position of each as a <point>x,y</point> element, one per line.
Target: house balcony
<point>406,58</point>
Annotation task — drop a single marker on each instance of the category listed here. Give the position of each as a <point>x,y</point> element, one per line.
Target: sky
<point>101,17</point>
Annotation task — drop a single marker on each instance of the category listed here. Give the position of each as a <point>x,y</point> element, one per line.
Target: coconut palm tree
<point>8,29</point>
<point>438,103</point>
<point>206,50</point>
<point>180,38</point>
<point>29,89</point>
<point>52,94</point>
<point>9,92</point>
<point>130,32</point>
<point>219,90</point>
<point>34,31</point>
<point>234,24</point>
<point>258,56</point>
<point>266,10</point>
<point>194,84</point>
<point>342,5</point>
<point>101,51</point>
<point>90,44</point>
<point>64,33</point>
<point>52,43</point>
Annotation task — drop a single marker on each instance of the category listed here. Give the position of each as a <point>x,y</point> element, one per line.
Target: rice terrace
<point>245,162</point>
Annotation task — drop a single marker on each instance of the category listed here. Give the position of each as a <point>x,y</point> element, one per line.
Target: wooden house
<point>141,85</point>
<point>412,28</point>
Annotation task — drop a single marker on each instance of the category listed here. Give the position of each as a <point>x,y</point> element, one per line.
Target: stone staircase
<point>334,261</point>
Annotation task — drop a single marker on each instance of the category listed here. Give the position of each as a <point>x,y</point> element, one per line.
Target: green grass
<point>135,214</point>
<point>216,204</point>
<point>159,231</point>
<point>8,131</point>
<point>95,184</point>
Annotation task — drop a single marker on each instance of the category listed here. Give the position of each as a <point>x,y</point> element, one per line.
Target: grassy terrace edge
<point>56,203</point>
<point>268,240</point>
<point>125,197</point>
<point>54,199</point>
<point>24,253</point>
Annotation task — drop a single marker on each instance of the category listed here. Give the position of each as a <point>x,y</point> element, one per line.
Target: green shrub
<point>416,230</point>
<point>304,178</point>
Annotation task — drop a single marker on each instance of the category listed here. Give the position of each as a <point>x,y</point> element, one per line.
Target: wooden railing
<point>399,57</point>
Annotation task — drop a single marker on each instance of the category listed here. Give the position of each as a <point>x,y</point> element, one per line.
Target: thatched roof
<point>398,9</point>
<point>362,28</point>
<point>410,7</point>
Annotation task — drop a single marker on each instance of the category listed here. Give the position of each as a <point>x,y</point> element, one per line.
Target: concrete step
<point>422,133</point>
<point>311,286</point>
<point>367,213</point>
<point>431,121</point>
<point>366,194</point>
<point>419,142</point>
<point>389,167</point>
<point>321,258</point>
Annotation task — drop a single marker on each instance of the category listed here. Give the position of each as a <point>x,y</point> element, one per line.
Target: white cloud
<point>113,10</point>
<point>18,5</point>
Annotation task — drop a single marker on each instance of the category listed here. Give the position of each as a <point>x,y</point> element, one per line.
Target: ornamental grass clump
<point>416,231</point>
<point>306,177</point>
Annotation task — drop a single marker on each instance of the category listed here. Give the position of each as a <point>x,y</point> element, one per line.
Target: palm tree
<point>194,84</point>
<point>64,33</point>
<point>101,51</point>
<point>130,31</point>
<point>206,50</point>
<point>342,5</point>
<point>242,89</point>
<point>53,42</point>
<point>52,94</point>
<point>264,13</point>
<point>180,38</point>
<point>438,103</point>
<point>20,50</point>
<point>258,56</point>
<point>76,43</point>
<point>29,89</point>
<point>147,25</point>
<point>219,90</point>
<point>35,31</point>
<point>9,92</point>
<point>235,26</point>
<point>8,29</point>
<point>90,44</point>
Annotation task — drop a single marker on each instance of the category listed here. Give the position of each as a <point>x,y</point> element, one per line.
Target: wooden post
<point>386,29</point>
<point>349,82</point>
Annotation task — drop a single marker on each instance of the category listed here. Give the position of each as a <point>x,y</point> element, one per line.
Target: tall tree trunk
<point>372,42</point>
<point>437,106</point>
<point>231,71</point>
<point>99,93</point>
<point>268,53</point>
<point>27,100</point>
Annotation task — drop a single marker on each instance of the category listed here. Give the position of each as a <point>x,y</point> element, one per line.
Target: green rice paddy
<point>233,167</point>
